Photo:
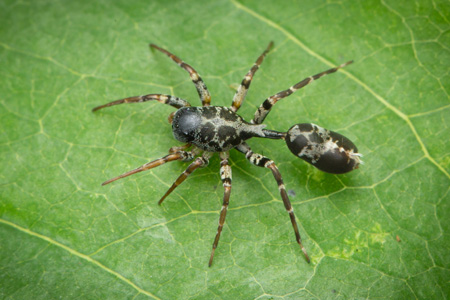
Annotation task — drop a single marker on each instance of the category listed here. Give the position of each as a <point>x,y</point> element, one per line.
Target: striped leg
<point>225,175</point>
<point>199,162</point>
<point>179,148</point>
<point>165,99</point>
<point>196,79</point>
<point>245,84</point>
<point>180,155</point>
<point>262,161</point>
<point>265,108</point>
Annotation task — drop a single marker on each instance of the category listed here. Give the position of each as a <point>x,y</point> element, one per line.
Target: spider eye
<point>327,150</point>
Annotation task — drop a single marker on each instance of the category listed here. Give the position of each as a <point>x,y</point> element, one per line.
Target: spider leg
<point>165,99</point>
<point>179,148</point>
<point>245,84</point>
<point>180,155</point>
<point>170,118</point>
<point>202,90</point>
<point>262,161</point>
<point>265,108</point>
<point>199,162</point>
<point>225,175</point>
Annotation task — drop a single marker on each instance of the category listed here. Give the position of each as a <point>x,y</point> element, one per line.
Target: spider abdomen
<point>327,150</point>
<point>213,128</point>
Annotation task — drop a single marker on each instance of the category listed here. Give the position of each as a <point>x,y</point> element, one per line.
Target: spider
<point>209,129</point>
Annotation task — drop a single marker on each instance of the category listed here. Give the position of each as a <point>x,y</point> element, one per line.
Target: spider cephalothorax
<point>213,128</point>
<point>209,129</point>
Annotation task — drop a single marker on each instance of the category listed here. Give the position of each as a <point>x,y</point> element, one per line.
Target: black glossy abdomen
<point>327,150</point>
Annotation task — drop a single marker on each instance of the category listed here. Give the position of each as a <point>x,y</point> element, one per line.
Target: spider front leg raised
<point>265,162</point>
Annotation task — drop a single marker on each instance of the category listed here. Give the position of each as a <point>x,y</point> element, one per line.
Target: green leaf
<point>381,231</point>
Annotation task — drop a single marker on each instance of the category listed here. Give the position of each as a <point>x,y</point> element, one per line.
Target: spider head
<point>185,123</point>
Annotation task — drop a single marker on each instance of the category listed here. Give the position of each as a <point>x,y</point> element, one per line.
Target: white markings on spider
<point>210,129</point>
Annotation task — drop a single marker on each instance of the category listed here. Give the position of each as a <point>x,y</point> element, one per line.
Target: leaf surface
<point>380,231</point>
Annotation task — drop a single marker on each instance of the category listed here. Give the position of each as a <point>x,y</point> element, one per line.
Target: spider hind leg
<point>266,106</point>
<point>265,162</point>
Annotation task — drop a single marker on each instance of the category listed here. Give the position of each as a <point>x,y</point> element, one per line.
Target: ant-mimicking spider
<point>209,129</point>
